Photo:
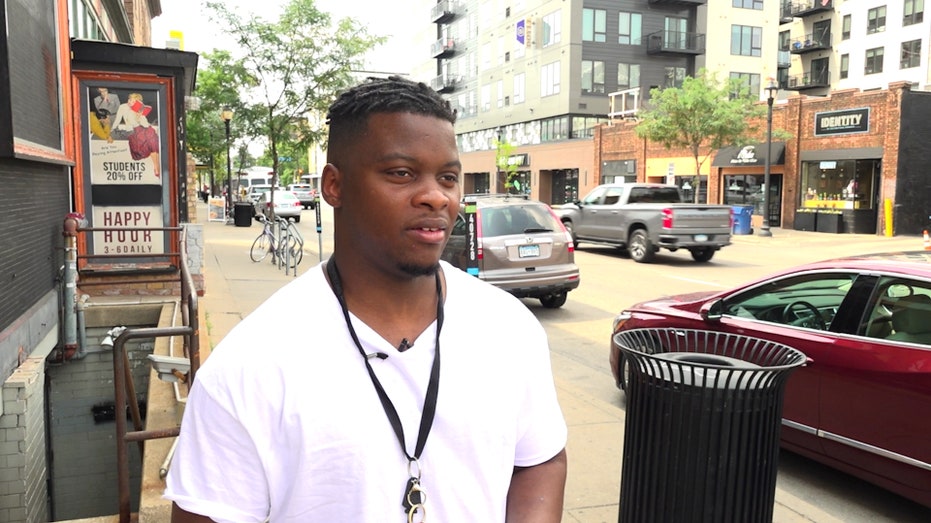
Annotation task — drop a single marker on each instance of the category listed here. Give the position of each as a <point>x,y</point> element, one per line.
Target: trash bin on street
<point>742,215</point>
<point>701,436</point>
<point>242,214</point>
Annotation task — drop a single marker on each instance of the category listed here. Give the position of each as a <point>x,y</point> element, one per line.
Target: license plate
<point>701,237</point>
<point>528,251</point>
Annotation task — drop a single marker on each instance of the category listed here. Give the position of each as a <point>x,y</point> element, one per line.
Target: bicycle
<point>268,243</point>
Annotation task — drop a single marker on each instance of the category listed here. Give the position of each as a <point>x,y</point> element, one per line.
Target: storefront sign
<point>749,155</point>
<point>519,160</point>
<point>842,122</point>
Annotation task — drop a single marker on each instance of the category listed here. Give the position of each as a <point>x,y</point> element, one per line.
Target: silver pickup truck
<point>644,217</point>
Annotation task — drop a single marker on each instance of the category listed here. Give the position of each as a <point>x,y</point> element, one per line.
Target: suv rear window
<point>516,219</point>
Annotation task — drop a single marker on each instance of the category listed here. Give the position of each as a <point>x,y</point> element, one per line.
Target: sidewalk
<point>235,286</point>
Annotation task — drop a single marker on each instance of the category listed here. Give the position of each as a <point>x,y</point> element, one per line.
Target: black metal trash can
<point>243,212</point>
<point>701,437</point>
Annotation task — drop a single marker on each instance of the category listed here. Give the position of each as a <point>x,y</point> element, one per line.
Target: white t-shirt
<point>283,423</point>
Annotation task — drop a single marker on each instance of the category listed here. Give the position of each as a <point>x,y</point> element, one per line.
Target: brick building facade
<point>845,161</point>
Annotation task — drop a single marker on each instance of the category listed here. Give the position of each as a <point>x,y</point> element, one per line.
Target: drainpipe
<point>73,221</point>
<point>82,330</point>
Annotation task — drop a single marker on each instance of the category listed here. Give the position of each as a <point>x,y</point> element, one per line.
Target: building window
<point>911,54</point>
<point>748,4</point>
<point>519,84</point>
<point>628,76</point>
<point>629,28</point>
<point>549,79</point>
<point>584,126</point>
<point>751,81</point>
<point>876,20</point>
<point>674,76</point>
<point>913,12</point>
<point>552,29</point>
<point>785,38</point>
<point>501,96</point>
<point>554,129</point>
<point>746,40</point>
<point>593,76</point>
<point>845,28</point>
<point>874,61</point>
<point>486,97</point>
<point>594,25</point>
<point>844,65</point>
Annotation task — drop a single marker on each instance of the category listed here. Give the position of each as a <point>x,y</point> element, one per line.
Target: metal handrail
<point>124,386</point>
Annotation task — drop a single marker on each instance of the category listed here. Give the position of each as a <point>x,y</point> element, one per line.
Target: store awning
<point>749,155</point>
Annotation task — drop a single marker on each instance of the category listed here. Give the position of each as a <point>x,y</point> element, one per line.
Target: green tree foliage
<point>218,81</point>
<point>503,151</point>
<point>703,112</point>
<point>291,67</point>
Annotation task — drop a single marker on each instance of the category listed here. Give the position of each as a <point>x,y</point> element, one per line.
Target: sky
<point>390,19</point>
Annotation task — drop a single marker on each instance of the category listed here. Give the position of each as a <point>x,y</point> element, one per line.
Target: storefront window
<point>744,189</point>
<point>839,184</point>
<point>687,185</point>
<point>520,183</point>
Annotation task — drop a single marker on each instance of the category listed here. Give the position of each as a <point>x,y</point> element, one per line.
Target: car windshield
<point>517,219</point>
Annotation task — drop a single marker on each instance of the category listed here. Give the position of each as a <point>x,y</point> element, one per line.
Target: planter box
<point>805,220</point>
<point>832,222</point>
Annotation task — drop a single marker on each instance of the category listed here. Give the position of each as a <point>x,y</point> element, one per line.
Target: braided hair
<point>352,109</point>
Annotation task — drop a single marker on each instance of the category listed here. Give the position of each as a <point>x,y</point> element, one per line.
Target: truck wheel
<point>568,225</point>
<point>554,301</point>
<point>640,247</point>
<point>703,254</point>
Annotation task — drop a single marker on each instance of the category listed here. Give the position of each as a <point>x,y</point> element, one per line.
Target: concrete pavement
<point>235,286</point>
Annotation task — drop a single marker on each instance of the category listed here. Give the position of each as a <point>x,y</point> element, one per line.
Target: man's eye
<point>400,173</point>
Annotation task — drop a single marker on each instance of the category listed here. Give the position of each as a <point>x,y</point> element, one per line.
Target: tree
<point>703,112</point>
<point>503,150</point>
<point>292,67</point>
<point>218,86</point>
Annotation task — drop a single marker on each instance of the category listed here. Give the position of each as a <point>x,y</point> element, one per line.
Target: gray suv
<point>516,244</point>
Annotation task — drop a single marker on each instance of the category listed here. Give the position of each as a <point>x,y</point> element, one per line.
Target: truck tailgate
<point>701,217</point>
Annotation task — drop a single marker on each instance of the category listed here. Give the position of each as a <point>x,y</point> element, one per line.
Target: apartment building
<point>538,75</point>
<point>867,44</point>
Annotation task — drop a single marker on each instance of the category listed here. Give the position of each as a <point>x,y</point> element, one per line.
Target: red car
<point>862,404</point>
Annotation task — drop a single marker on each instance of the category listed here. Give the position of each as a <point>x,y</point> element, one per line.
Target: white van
<point>255,176</point>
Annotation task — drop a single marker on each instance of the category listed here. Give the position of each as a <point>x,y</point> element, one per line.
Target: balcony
<point>445,83</point>
<point>678,2</point>
<point>809,80</point>
<point>810,43</point>
<point>802,8</point>
<point>675,42</point>
<point>443,48</point>
<point>443,12</point>
<point>783,59</point>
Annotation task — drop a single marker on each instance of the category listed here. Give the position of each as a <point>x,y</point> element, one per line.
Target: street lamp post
<point>771,89</point>
<point>498,161</point>
<point>227,115</point>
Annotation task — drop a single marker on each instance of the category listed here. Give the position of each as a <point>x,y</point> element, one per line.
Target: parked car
<point>286,205</point>
<point>862,404</point>
<point>256,191</point>
<point>305,193</point>
<point>643,217</point>
<point>520,246</point>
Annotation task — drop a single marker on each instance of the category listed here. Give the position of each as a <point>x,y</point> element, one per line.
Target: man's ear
<point>331,185</point>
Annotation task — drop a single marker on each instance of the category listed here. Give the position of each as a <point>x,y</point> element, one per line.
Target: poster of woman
<point>124,138</point>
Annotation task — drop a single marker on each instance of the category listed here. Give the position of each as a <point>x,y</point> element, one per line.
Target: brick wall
<point>23,491</point>
<point>795,116</point>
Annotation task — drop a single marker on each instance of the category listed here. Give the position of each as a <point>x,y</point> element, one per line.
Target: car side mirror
<point>712,312</point>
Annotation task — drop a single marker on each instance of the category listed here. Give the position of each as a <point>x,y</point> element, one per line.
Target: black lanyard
<point>429,407</point>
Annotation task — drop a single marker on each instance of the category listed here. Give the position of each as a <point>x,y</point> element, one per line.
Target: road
<point>579,331</point>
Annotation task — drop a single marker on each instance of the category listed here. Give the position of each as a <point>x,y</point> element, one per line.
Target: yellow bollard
<point>887,213</point>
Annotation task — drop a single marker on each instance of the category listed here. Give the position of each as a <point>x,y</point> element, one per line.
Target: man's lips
<point>431,233</point>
